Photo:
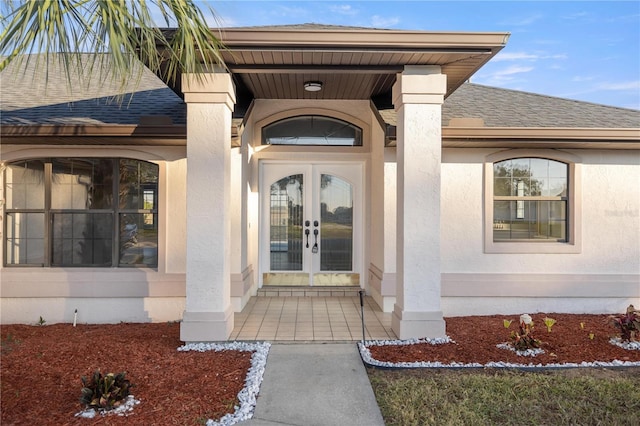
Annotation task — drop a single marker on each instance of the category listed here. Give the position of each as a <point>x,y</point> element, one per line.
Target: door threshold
<point>307,291</point>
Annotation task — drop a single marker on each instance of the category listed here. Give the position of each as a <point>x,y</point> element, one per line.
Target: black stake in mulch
<point>361,293</point>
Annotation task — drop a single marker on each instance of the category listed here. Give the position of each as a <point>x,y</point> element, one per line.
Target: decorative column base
<point>206,326</point>
<point>410,325</point>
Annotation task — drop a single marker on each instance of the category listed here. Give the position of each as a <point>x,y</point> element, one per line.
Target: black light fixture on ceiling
<point>312,86</point>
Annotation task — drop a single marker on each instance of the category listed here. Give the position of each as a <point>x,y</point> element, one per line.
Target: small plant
<point>41,322</point>
<point>591,336</point>
<point>105,392</point>
<point>7,344</point>
<point>628,324</point>
<point>523,338</point>
<point>507,323</point>
<point>549,323</point>
<point>581,326</point>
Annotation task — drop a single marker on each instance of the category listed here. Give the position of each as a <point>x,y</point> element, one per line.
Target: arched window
<point>530,200</point>
<point>312,130</point>
<point>81,212</point>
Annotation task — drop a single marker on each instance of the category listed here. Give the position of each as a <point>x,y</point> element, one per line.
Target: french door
<point>311,224</point>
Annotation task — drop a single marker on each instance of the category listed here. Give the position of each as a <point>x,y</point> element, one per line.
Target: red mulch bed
<point>476,338</point>
<point>42,367</point>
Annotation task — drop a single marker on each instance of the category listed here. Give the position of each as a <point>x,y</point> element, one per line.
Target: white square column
<point>418,95</point>
<point>208,314</point>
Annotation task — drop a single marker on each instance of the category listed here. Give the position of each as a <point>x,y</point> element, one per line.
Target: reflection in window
<point>82,239</point>
<point>312,130</point>
<point>25,239</point>
<point>285,229</point>
<point>93,218</point>
<point>336,210</point>
<point>79,184</point>
<point>530,200</point>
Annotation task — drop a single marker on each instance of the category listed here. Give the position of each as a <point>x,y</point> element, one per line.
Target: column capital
<point>210,88</point>
<point>423,84</point>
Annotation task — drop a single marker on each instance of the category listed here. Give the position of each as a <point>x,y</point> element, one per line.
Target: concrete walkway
<point>315,384</point>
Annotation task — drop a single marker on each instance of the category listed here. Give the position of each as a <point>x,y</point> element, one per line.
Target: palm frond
<point>122,32</point>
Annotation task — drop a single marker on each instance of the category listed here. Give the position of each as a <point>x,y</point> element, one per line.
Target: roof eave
<point>360,38</point>
<point>525,137</point>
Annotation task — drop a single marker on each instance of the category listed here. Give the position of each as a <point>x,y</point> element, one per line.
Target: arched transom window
<point>530,200</point>
<point>312,130</point>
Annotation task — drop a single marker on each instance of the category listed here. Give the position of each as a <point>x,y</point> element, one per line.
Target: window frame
<point>115,211</point>
<point>573,242</point>
<point>359,132</point>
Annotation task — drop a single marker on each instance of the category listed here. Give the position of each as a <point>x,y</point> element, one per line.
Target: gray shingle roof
<point>25,99</point>
<point>511,108</point>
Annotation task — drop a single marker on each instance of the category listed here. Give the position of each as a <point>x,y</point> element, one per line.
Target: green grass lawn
<point>459,397</point>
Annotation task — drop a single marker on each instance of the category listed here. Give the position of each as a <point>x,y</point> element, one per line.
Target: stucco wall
<point>603,276</point>
<point>107,295</point>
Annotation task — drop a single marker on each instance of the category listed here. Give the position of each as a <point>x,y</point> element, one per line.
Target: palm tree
<point>122,32</point>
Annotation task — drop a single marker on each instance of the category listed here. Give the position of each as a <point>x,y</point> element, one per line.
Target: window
<point>532,202</point>
<point>66,212</point>
<point>312,130</point>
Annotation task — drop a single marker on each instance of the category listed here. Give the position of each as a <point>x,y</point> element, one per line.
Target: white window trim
<point>574,204</point>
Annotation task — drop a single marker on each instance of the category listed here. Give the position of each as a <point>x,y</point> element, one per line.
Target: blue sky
<point>583,50</point>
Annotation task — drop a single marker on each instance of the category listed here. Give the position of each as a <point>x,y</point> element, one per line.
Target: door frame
<point>358,211</point>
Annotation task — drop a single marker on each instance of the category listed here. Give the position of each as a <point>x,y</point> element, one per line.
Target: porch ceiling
<point>352,63</point>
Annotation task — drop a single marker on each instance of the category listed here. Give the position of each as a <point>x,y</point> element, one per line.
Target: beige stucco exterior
<point>424,243</point>
<point>599,275</point>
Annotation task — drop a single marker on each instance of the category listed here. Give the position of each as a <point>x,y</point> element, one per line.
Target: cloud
<point>520,56</point>
<point>343,9</point>
<point>510,76</point>
<point>577,15</point>
<point>514,56</point>
<point>528,20</point>
<point>620,85</point>
<point>582,79</point>
<point>378,21</point>
<point>290,12</point>
<point>625,18</point>
<point>513,69</point>
<point>629,88</point>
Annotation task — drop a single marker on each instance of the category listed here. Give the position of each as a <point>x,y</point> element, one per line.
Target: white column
<point>210,100</point>
<point>418,96</point>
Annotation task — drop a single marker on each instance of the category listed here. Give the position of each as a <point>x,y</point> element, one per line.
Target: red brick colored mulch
<point>476,338</point>
<point>42,366</point>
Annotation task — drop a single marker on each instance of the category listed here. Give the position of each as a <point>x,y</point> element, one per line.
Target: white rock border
<point>247,396</point>
<point>368,359</point>
<point>121,410</point>
<point>630,346</point>
<point>527,352</point>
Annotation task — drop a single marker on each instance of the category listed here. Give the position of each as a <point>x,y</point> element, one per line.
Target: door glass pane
<point>336,229</point>
<point>285,224</point>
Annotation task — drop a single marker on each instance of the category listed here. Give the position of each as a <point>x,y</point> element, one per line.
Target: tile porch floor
<point>294,319</point>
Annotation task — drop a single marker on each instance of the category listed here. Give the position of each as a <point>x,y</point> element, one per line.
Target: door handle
<point>306,233</point>
<point>315,243</point>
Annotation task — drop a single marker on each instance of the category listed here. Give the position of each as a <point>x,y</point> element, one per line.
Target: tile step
<point>282,291</point>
